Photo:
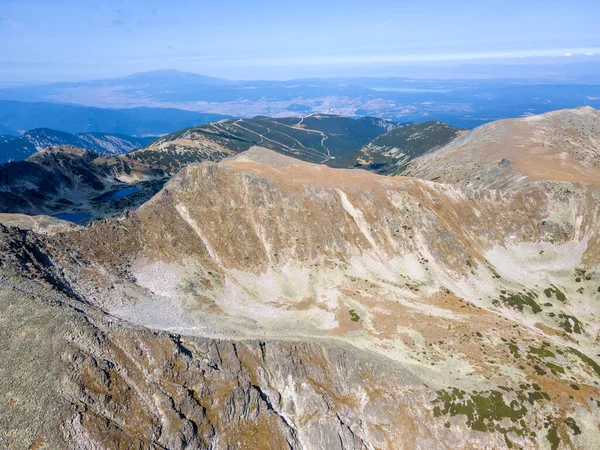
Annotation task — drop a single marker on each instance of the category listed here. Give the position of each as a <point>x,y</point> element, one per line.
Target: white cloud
<point>402,57</point>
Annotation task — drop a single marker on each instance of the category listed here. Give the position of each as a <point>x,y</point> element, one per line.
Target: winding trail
<point>262,136</point>
<point>324,137</point>
<point>309,151</point>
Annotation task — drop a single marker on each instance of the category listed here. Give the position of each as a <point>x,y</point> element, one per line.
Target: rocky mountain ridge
<point>32,141</point>
<point>556,146</point>
<point>311,307</point>
<point>321,139</point>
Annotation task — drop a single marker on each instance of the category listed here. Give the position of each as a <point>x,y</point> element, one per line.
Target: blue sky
<point>53,40</point>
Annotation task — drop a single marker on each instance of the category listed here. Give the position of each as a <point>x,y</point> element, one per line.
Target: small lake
<point>115,195</point>
<point>73,217</point>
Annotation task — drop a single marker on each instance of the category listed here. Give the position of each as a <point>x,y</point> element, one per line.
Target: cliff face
<point>87,382</point>
<point>264,302</point>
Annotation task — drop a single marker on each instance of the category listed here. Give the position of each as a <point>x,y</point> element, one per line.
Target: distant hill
<point>32,141</point>
<point>20,115</point>
<point>317,138</point>
<point>391,152</point>
<point>368,143</point>
<point>487,94</point>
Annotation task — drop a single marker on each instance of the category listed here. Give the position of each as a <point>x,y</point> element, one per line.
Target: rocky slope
<point>32,141</point>
<point>70,180</point>
<point>557,146</point>
<point>308,307</point>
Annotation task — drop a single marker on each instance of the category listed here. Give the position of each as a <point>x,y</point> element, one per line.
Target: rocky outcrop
<point>90,381</point>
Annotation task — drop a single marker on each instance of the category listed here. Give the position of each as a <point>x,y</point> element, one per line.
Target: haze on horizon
<point>68,40</point>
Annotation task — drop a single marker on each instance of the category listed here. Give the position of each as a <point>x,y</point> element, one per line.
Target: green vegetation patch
<point>535,396</point>
<point>587,360</point>
<point>552,435</point>
<point>514,349</point>
<point>353,316</point>
<point>555,368</point>
<point>572,424</point>
<point>538,357</point>
<point>542,352</point>
<point>485,410</point>
<point>519,300</point>
<point>553,290</point>
<point>570,323</point>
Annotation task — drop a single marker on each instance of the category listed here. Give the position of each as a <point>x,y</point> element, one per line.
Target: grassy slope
<point>391,152</point>
<point>316,138</point>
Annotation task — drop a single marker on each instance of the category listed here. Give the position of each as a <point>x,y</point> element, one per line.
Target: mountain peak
<point>173,75</point>
<point>262,155</point>
<point>561,146</point>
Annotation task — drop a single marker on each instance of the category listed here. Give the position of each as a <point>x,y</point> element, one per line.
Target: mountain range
<point>461,102</point>
<point>263,301</point>
<point>68,180</point>
<point>315,138</point>
<point>17,116</point>
<point>14,148</point>
<point>256,298</point>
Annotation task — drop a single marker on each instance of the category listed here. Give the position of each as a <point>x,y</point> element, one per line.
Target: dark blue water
<point>73,217</point>
<point>114,195</point>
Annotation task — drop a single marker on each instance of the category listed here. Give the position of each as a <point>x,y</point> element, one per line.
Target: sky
<point>60,40</point>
